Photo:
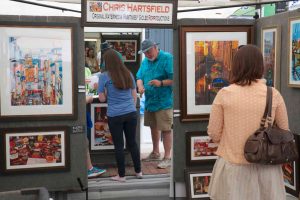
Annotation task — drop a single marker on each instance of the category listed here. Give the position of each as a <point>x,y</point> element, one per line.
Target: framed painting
<point>35,149</point>
<point>291,175</point>
<point>101,138</point>
<point>294,53</point>
<point>37,68</point>
<point>127,48</point>
<point>270,45</point>
<point>206,55</point>
<point>200,148</point>
<point>197,183</point>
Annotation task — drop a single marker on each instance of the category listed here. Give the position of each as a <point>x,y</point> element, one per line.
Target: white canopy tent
<point>8,7</point>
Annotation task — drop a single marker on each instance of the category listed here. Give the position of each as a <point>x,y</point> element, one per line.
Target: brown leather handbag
<point>270,145</point>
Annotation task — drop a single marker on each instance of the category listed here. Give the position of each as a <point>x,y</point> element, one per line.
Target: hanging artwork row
<point>37,72</point>
<point>206,54</point>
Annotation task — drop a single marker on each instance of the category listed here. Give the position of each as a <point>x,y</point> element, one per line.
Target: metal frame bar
<point>47,6</point>
<point>231,6</point>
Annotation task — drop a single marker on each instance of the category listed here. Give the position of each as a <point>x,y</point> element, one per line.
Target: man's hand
<point>155,82</point>
<point>141,90</point>
<point>140,85</point>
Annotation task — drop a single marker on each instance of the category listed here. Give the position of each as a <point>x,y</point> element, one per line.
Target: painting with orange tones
<point>206,55</point>
<point>101,138</point>
<point>95,6</point>
<point>35,149</point>
<point>197,183</point>
<point>212,65</point>
<point>127,48</point>
<point>200,149</point>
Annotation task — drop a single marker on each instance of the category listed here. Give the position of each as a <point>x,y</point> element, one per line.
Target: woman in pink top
<point>236,114</point>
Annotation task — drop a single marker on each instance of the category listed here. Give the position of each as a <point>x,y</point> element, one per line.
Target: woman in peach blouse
<point>236,114</point>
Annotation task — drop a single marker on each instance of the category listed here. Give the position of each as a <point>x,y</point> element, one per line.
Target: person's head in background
<point>239,47</point>
<point>247,66</point>
<point>117,70</point>
<point>91,53</point>
<point>105,46</point>
<point>86,51</point>
<point>150,49</point>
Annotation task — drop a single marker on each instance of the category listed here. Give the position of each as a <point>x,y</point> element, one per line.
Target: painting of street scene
<point>213,60</point>
<point>269,56</point>
<point>127,48</point>
<point>36,74</point>
<point>295,52</point>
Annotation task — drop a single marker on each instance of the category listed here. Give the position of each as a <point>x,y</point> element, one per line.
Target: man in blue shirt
<point>155,79</point>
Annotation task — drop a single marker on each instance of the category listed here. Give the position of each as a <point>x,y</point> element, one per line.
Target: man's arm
<point>167,82</point>
<point>140,85</point>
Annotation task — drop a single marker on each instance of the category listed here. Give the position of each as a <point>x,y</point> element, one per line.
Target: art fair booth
<point>42,92</point>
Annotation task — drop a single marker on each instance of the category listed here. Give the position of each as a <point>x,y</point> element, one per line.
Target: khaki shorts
<point>162,119</point>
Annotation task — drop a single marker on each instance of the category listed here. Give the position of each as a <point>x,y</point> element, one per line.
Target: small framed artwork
<point>127,48</point>
<point>270,45</point>
<point>101,138</point>
<point>197,183</point>
<point>37,67</point>
<point>294,53</point>
<point>35,149</point>
<point>200,148</point>
<point>291,175</point>
<point>206,54</point>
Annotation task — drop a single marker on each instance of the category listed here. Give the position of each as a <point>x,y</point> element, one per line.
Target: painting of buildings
<point>36,75</point>
<point>213,60</point>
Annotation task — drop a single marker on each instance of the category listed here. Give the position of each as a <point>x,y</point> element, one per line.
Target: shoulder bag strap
<point>266,113</point>
<point>269,104</point>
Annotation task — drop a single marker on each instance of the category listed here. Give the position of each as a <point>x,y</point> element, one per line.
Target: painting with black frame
<point>200,149</point>
<point>35,149</point>
<point>196,183</point>
<point>291,174</point>
<point>132,64</point>
<point>127,48</point>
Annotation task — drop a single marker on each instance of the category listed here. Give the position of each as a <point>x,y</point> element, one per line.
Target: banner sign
<point>129,13</point>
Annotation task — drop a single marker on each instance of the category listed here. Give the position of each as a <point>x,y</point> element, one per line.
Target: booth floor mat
<point>147,169</point>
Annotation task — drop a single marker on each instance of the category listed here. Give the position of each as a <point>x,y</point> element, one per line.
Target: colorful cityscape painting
<point>295,52</point>
<point>36,75</point>
<point>269,53</point>
<point>213,60</point>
